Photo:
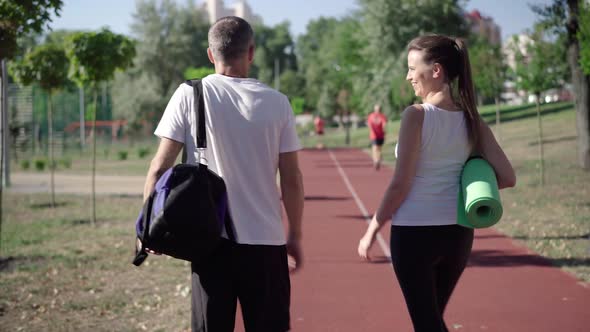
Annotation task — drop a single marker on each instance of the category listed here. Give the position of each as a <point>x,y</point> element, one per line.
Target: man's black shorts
<point>257,275</point>
<point>378,141</point>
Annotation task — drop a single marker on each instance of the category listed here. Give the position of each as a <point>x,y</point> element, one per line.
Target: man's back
<point>248,125</point>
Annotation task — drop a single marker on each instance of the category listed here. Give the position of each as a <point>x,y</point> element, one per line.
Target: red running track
<point>505,287</point>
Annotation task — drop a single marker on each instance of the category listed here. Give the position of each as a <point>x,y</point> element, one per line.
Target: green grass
<point>61,273</point>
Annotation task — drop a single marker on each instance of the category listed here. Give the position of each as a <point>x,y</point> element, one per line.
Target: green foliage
<point>25,164</point>
<point>21,17</point>
<point>170,39</point>
<point>327,106</point>
<point>402,93</point>
<point>95,56</point>
<point>143,152</point>
<point>584,36</point>
<point>122,155</point>
<point>487,68</point>
<point>272,43</point>
<point>329,58</point>
<point>46,65</point>
<point>298,105</point>
<point>40,164</point>
<point>387,27</point>
<point>198,73</point>
<point>65,163</point>
<point>292,84</point>
<point>540,65</point>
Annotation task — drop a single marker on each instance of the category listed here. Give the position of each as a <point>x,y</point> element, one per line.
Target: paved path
<point>76,184</point>
<point>505,287</point>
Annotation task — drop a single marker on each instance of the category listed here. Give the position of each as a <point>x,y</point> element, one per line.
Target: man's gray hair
<point>230,38</point>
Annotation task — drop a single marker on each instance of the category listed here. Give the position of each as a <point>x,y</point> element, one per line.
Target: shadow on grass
<point>526,237</point>
<point>76,222</point>
<point>507,116</point>
<point>555,140</point>
<point>38,206</point>
<point>496,258</point>
<point>10,263</point>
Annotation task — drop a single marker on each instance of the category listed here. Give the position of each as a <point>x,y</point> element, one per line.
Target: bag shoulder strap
<point>199,109</point>
<point>201,134</point>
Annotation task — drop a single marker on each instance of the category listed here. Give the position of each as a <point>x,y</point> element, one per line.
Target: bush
<point>143,152</point>
<point>40,164</point>
<point>122,155</point>
<point>65,163</point>
<point>25,164</point>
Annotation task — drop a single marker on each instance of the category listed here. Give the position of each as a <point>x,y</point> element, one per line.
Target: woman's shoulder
<point>413,114</point>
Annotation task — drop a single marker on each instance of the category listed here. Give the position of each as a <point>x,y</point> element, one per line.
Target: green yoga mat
<point>479,203</point>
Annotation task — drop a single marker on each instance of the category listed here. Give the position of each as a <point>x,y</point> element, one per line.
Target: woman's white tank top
<point>444,149</point>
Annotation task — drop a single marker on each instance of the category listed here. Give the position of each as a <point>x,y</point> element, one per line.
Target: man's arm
<point>164,159</point>
<point>292,193</point>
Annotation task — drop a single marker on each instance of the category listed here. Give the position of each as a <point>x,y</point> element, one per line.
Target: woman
<point>429,250</point>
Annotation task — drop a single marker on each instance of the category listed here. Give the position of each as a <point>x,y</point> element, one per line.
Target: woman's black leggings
<point>428,261</point>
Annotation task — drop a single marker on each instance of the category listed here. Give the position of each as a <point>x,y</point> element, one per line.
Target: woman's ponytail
<point>467,95</point>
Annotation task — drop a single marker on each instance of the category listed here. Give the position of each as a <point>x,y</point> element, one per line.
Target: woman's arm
<point>405,169</point>
<point>493,153</point>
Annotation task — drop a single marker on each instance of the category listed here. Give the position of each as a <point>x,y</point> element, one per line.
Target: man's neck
<point>232,71</point>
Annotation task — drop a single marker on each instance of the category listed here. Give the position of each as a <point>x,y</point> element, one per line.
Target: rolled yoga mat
<point>479,202</point>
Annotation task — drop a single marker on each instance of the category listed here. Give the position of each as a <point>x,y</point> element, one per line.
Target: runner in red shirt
<point>319,130</point>
<point>376,123</point>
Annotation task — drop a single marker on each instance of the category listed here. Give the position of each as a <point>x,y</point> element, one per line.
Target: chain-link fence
<point>28,123</point>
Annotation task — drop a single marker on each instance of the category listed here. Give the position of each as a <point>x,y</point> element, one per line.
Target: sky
<point>513,16</point>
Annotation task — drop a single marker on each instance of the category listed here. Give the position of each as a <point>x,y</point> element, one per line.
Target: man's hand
<point>146,249</point>
<point>295,253</point>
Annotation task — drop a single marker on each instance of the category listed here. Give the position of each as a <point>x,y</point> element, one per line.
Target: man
<point>250,135</point>
<point>318,123</point>
<point>376,122</point>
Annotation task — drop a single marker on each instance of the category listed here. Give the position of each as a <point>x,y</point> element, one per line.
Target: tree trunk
<point>540,140</point>
<point>82,120</point>
<point>497,102</point>
<point>50,148</point>
<point>94,158</point>
<point>2,110</point>
<point>581,84</point>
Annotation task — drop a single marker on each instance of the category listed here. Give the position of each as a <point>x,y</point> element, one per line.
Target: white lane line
<point>359,203</point>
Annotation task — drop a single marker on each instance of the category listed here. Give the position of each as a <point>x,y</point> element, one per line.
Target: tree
<point>21,17</point>
<point>46,65</point>
<point>18,18</point>
<point>387,27</point>
<point>198,73</point>
<point>95,56</point>
<point>584,37</point>
<point>539,68</point>
<point>488,72</point>
<point>274,48</point>
<point>566,18</point>
<point>170,39</point>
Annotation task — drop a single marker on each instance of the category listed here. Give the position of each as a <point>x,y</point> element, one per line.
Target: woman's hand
<point>365,245</point>
<point>493,153</point>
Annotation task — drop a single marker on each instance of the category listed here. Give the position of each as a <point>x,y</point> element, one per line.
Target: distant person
<point>377,123</point>
<point>429,250</point>
<point>318,123</point>
<point>251,135</point>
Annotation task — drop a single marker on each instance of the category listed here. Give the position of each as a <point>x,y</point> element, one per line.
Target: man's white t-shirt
<point>248,125</point>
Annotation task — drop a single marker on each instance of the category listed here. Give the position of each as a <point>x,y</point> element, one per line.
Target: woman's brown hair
<point>452,55</point>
